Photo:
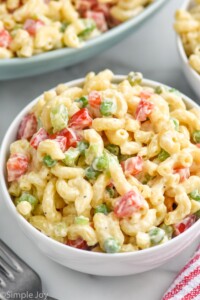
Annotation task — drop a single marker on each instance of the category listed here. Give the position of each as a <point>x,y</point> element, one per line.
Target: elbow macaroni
<point>107,180</point>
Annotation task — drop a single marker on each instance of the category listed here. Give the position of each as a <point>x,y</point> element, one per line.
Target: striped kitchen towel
<point>186,285</point>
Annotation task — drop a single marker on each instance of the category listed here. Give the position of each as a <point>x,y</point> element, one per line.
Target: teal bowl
<point>57,59</point>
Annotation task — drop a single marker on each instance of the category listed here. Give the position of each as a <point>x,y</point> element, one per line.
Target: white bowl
<point>84,261</point>
<point>192,76</point>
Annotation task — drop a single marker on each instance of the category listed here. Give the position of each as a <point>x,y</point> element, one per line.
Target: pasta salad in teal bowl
<point>41,36</point>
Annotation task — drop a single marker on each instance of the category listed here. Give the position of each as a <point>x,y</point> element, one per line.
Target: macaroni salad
<point>187,25</point>
<point>108,167</point>
<point>29,27</point>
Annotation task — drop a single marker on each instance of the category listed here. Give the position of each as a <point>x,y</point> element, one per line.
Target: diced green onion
<point>81,220</point>
<point>60,229</point>
<point>168,230</point>
<point>89,25</point>
<point>48,161</point>
<point>107,107</point>
<point>59,117</point>
<point>175,91</point>
<point>82,146</point>
<point>102,208</point>
<point>123,157</point>
<point>196,136</point>
<point>111,191</point>
<point>71,157</point>
<point>163,155</point>
<point>91,174</point>
<point>156,235</point>
<point>83,101</point>
<point>101,163</point>
<point>135,78</point>
<point>176,123</point>
<point>63,26</point>
<point>28,198</point>
<point>147,178</point>
<point>195,195</point>
<point>114,149</point>
<point>111,245</point>
<point>197,214</point>
<point>91,153</point>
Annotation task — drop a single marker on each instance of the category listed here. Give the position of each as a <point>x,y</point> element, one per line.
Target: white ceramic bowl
<point>192,76</point>
<point>84,261</point>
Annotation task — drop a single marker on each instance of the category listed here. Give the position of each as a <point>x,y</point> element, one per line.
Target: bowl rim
<point>33,231</point>
<point>180,47</point>
<point>110,34</point>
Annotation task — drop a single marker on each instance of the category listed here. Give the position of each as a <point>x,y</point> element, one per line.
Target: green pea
<point>102,208</point>
<point>59,117</point>
<point>89,25</point>
<point>91,174</point>
<point>159,89</point>
<point>91,153</point>
<point>114,149</point>
<point>29,198</point>
<point>111,245</point>
<point>197,214</point>
<point>83,101</point>
<point>195,195</point>
<point>71,157</point>
<point>48,161</point>
<point>101,163</point>
<point>168,230</point>
<point>135,78</point>
<point>107,107</point>
<point>156,235</point>
<point>82,146</point>
<point>196,136</point>
<point>81,220</point>
<point>163,155</point>
<point>176,123</point>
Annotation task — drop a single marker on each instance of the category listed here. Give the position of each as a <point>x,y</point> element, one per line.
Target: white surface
<point>151,50</point>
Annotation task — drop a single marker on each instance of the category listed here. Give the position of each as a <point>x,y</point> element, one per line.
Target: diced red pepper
<point>71,136</point>
<point>184,224</point>
<point>38,137</point>
<point>62,141</point>
<point>183,172</point>
<point>33,25</point>
<point>5,38</point>
<point>98,18</point>
<point>81,119</point>
<point>132,166</point>
<point>17,165</point>
<point>145,95</point>
<point>143,110</point>
<point>128,204</point>
<point>78,243</point>
<point>27,127</point>
<point>94,99</point>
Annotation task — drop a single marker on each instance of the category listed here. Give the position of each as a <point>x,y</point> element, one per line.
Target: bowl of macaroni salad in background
<point>187,24</point>
<point>38,36</point>
<point>102,173</point>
